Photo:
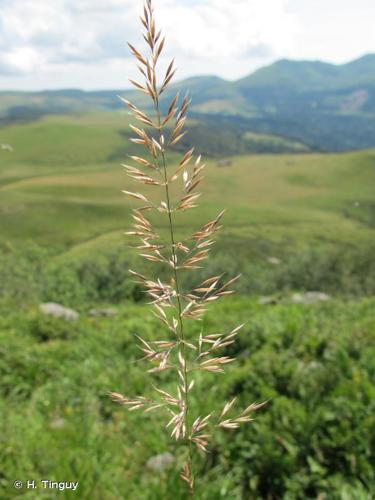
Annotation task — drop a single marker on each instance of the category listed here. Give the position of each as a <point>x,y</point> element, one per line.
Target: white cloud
<point>334,30</point>
<point>222,28</point>
<point>20,60</point>
<point>82,43</point>
<point>64,31</point>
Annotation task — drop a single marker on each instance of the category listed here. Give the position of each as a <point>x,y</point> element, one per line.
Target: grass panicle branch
<point>174,306</point>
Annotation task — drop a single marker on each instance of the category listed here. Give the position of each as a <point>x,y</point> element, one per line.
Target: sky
<point>50,44</point>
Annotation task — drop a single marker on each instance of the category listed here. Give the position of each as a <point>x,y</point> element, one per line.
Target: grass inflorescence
<point>174,305</point>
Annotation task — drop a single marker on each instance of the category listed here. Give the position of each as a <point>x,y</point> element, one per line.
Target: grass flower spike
<point>174,306</point>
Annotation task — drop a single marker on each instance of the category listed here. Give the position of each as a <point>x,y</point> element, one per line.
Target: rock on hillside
<point>58,311</point>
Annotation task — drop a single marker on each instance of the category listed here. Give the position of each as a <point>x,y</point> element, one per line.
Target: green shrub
<point>317,435</point>
<point>313,363</point>
<point>45,328</point>
<point>101,275</point>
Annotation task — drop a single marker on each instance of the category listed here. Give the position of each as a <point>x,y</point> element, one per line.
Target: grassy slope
<point>59,187</point>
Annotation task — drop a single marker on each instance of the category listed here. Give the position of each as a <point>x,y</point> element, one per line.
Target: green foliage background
<point>313,363</point>
<point>62,221</point>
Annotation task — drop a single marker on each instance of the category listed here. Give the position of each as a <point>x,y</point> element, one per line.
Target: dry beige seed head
<point>172,304</point>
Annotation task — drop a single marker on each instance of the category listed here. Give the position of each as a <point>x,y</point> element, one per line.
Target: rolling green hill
<point>60,189</point>
<point>323,106</point>
<point>313,75</point>
<point>62,184</point>
<point>294,222</point>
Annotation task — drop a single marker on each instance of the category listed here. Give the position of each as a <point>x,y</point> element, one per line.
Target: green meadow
<point>294,223</point>
<point>65,172</point>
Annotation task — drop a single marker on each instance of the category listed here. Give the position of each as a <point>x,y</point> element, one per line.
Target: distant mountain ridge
<point>324,106</point>
<point>314,75</point>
